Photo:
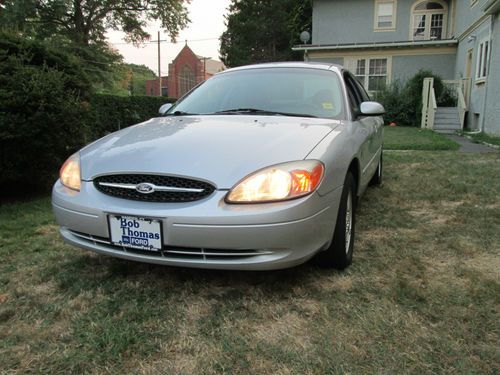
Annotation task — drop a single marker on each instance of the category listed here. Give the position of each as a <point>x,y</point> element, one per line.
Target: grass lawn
<point>412,138</point>
<point>482,137</point>
<point>422,296</point>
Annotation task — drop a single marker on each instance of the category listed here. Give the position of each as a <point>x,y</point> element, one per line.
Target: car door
<point>371,129</point>
<point>378,125</point>
<point>361,127</point>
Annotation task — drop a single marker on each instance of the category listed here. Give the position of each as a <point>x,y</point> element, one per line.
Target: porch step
<point>447,120</point>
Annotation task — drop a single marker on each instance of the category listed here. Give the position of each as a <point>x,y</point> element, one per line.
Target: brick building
<point>152,87</point>
<point>185,72</point>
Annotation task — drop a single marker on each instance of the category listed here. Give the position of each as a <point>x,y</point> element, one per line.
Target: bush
<point>109,113</point>
<point>395,102</point>
<point>413,90</point>
<point>403,104</point>
<point>47,112</point>
<point>41,91</point>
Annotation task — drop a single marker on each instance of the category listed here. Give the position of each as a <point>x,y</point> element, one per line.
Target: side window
<point>361,90</point>
<point>355,98</point>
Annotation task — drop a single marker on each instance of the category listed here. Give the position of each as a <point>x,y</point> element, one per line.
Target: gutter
<point>420,43</point>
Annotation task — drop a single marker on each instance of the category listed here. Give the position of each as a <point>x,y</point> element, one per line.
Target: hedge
<point>109,113</point>
<point>47,112</point>
<point>41,124</point>
<point>41,95</point>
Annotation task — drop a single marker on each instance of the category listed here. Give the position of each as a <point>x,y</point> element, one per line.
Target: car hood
<point>218,149</point>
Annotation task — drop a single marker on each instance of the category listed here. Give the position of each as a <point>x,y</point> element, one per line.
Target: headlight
<point>70,172</point>
<point>278,183</point>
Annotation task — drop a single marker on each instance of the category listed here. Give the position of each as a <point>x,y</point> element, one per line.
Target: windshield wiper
<point>241,110</point>
<point>261,112</point>
<point>180,113</point>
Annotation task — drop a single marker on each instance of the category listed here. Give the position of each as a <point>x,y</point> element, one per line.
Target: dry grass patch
<point>286,330</point>
<point>487,264</point>
<point>422,296</point>
<point>47,230</point>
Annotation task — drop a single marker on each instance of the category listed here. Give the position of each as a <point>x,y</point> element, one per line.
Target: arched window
<point>187,80</point>
<point>428,20</point>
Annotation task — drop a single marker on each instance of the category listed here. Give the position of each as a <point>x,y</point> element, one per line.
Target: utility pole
<point>159,66</point>
<point>204,67</point>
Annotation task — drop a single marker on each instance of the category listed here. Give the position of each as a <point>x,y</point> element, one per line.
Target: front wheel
<point>339,254</point>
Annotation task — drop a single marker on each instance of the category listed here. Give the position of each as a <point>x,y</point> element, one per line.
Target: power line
<point>167,41</point>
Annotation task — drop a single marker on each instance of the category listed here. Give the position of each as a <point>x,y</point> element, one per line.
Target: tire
<point>377,177</point>
<point>339,254</point>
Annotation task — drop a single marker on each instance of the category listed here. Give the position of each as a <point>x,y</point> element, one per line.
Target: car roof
<point>295,64</point>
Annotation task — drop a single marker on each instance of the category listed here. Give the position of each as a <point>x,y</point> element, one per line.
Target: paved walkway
<point>467,146</point>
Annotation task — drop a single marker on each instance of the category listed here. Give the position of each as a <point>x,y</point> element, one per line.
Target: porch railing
<point>429,105</point>
<point>459,90</point>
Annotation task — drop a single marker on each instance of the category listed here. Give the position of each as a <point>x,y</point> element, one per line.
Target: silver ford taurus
<point>258,168</point>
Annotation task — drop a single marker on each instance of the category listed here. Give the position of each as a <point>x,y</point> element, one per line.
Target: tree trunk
<point>81,31</point>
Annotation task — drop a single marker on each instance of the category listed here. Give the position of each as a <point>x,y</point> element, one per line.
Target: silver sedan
<point>258,168</point>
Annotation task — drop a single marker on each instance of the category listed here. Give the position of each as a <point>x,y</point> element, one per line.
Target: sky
<point>207,24</point>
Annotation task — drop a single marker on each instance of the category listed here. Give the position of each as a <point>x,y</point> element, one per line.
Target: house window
<point>429,20</point>
<point>385,15</point>
<point>483,60</point>
<point>372,73</point>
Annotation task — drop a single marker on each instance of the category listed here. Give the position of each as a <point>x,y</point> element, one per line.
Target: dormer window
<point>429,20</point>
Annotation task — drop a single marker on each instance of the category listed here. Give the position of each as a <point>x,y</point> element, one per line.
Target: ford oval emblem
<point>145,188</point>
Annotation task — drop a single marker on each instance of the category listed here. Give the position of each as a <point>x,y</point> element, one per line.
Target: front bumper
<point>204,234</point>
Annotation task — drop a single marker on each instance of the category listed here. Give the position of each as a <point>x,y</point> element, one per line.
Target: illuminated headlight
<point>278,183</point>
<point>70,173</point>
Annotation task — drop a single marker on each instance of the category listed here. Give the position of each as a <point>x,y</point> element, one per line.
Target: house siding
<point>405,67</point>
<point>467,15</point>
<point>333,22</point>
<point>340,26</point>
<point>332,60</point>
<point>475,116</point>
<point>492,108</point>
<point>464,46</point>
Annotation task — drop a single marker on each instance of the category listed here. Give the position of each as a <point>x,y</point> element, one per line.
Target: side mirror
<point>371,109</point>
<point>164,108</point>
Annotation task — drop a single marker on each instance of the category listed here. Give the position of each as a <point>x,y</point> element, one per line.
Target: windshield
<point>279,91</point>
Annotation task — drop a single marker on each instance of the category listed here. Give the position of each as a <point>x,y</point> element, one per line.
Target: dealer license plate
<point>135,232</point>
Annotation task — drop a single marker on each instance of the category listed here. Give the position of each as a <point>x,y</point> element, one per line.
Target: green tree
<point>126,79</point>
<point>86,21</point>
<point>140,74</point>
<point>78,27</point>
<point>263,30</point>
<point>44,95</point>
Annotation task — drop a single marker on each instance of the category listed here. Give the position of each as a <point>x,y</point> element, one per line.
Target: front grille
<point>176,252</point>
<point>175,189</point>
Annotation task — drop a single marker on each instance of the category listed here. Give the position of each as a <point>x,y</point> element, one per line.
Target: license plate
<point>135,232</point>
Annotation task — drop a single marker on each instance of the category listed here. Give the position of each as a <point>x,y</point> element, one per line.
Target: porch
<point>448,118</point>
